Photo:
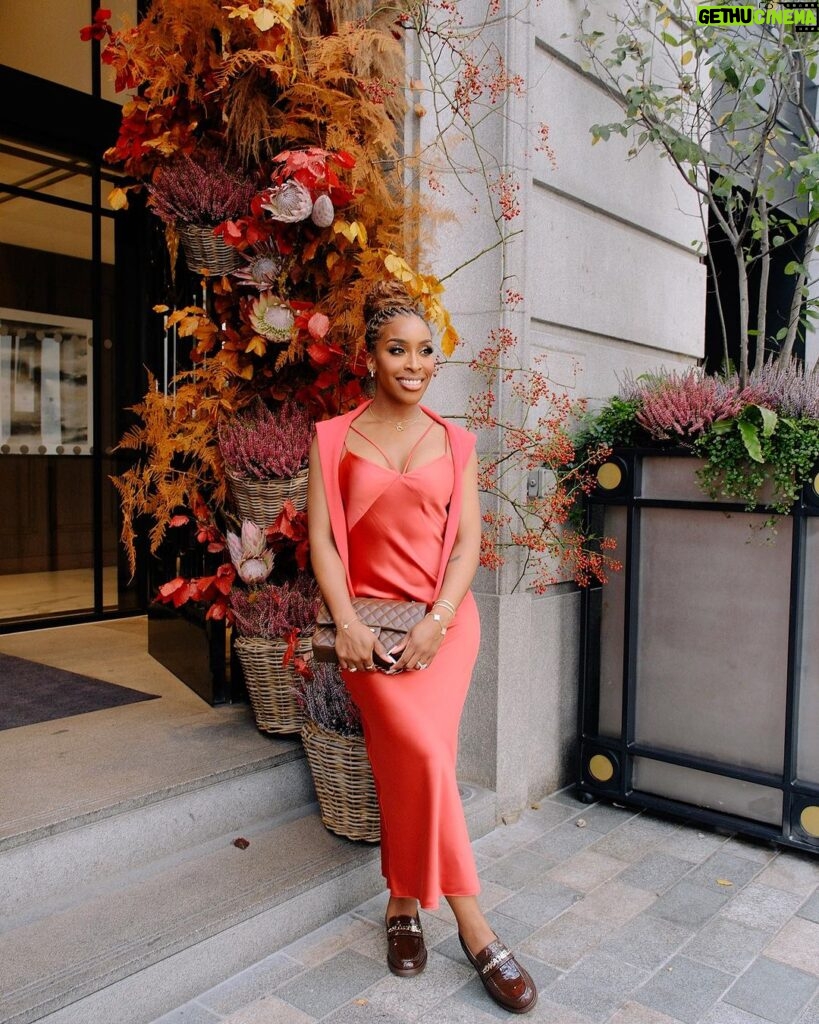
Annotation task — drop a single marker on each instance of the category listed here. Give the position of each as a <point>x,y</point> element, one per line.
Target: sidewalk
<point>620,917</point>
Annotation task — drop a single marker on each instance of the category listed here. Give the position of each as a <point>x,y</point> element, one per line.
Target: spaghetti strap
<point>386,457</point>
<point>377,447</point>
<point>414,447</point>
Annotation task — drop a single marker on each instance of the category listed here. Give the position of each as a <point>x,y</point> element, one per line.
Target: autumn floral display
<point>267,122</point>
<point>278,125</point>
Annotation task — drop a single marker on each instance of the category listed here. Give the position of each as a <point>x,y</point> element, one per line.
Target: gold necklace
<point>399,425</point>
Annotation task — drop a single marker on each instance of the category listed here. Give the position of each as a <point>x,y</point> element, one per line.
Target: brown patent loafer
<point>509,984</point>
<point>406,951</point>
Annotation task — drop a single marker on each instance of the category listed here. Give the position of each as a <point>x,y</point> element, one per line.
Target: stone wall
<point>611,283</point>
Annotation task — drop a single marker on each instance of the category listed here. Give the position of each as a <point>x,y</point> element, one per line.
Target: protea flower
<point>261,269</point>
<point>289,202</point>
<point>323,212</point>
<point>271,317</point>
<point>249,553</point>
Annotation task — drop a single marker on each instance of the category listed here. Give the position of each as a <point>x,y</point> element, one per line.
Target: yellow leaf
<point>342,227</point>
<point>118,199</point>
<point>351,230</point>
<point>256,346</point>
<point>686,57</point>
<point>332,259</point>
<point>723,881</point>
<point>398,267</point>
<point>449,340</point>
<point>161,308</point>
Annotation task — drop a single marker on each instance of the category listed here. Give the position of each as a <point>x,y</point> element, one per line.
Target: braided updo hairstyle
<point>385,301</point>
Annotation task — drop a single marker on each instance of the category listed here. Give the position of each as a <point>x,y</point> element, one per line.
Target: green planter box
<point>700,661</point>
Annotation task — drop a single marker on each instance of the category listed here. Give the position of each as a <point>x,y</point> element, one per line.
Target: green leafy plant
<point>612,425</point>
<point>731,108</point>
<point>758,450</point>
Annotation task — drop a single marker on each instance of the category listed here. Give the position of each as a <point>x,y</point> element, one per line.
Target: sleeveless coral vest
<point>331,434</point>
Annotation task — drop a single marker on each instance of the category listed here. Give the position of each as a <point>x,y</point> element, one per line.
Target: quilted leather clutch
<point>389,620</point>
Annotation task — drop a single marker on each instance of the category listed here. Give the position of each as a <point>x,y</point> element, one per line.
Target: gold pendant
<point>399,426</point>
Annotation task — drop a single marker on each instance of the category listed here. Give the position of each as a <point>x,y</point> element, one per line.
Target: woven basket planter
<point>270,684</point>
<point>206,251</point>
<point>344,782</point>
<point>262,500</point>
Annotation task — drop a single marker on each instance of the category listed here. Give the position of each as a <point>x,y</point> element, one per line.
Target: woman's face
<point>403,359</point>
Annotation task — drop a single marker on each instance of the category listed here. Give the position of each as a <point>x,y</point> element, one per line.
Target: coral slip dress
<point>396,522</point>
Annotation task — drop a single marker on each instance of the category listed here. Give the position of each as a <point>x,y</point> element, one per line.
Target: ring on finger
<point>352,668</point>
<point>420,665</point>
<point>370,668</point>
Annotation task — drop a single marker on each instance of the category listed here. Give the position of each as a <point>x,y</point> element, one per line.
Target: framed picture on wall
<point>46,378</point>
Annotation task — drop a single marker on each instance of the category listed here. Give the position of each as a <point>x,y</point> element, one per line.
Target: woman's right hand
<point>356,647</point>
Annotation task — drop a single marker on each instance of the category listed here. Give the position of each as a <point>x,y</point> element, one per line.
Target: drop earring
<point>372,373</point>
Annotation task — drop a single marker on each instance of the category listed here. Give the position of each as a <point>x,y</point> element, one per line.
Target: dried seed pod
<point>323,212</point>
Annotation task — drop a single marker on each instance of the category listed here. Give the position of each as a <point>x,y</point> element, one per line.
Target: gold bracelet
<point>446,604</point>
<point>346,625</point>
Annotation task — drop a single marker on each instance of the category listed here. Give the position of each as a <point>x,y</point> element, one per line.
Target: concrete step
<point>146,942</point>
<point>51,867</point>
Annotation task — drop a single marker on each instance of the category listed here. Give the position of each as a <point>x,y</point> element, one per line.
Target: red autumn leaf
<point>302,554</point>
<point>284,521</point>
<point>241,843</point>
<point>323,354</point>
<point>179,521</point>
<point>225,575</point>
<point>218,610</point>
<point>292,639</point>
<point>342,158</point>
<point>230,231</point>
<point>167,589</point>
<point>176,592</point>
<point>302,667</point>
<point>201,588</point>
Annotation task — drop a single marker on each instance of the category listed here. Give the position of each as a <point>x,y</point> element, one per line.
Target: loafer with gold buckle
<point>406,951</point>
<point>509,984</point>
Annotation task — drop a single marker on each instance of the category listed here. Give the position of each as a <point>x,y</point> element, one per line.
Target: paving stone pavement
<point>622,917</point>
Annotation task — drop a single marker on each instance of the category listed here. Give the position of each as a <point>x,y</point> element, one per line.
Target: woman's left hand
<point>419,646</point>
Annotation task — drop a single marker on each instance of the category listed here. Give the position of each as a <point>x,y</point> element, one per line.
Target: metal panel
<point>715,792</point>
<point>694,655</point>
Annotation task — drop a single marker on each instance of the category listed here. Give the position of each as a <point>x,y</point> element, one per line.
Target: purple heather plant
<point>257,444</point>
<point>326,700</point>
<point>682,404</point>
<point>273,612</point>
<point>201,191</point>
<point>786,388</point>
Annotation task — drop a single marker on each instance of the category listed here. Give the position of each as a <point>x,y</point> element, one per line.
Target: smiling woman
<point>393,514</point>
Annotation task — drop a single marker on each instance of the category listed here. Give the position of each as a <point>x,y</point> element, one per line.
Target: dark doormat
<point>30,693</point>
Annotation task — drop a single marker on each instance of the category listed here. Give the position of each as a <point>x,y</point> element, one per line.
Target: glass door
<point>59,413</point>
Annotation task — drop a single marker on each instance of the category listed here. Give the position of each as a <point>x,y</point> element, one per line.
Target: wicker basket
<point>206,251</point>
<point>262,500</point>
<point>271,685</point>
<point>344,782</point>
